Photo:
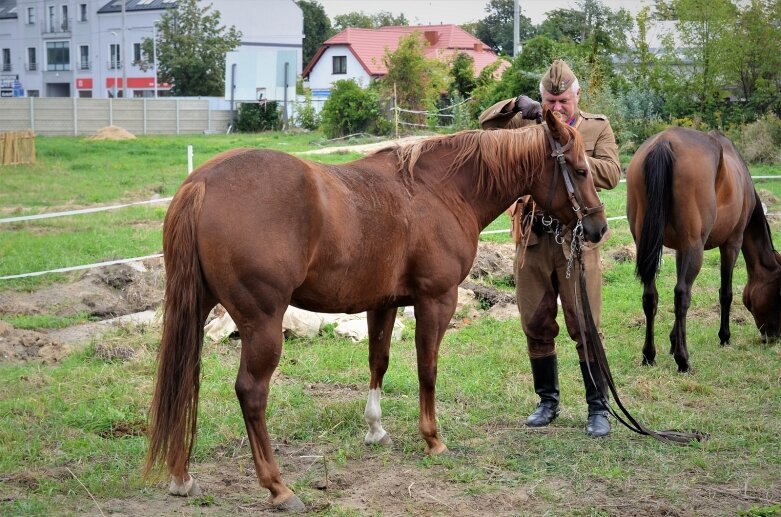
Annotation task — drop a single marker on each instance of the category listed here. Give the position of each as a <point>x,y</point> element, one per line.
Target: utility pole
<point>124,53</point>
<point>516,27</point>
<point>154,52</point>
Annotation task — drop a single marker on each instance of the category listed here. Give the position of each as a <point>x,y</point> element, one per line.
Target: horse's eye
<point>581,172</point>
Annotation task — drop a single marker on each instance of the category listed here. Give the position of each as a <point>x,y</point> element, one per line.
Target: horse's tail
<point>174,410</point>
<point>657,170</point>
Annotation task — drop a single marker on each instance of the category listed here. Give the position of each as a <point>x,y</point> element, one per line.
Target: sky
<point>425,12</point>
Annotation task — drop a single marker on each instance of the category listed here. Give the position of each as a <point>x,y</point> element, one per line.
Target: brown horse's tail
<point>174,410</point>
<point>657,169</point>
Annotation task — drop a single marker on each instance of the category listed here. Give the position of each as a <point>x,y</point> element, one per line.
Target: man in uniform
<point>541,262</point>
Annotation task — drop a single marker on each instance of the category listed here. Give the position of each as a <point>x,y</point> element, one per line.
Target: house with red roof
<point>358,53</point>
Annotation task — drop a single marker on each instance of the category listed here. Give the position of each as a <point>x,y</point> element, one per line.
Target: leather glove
<point>529,108</point>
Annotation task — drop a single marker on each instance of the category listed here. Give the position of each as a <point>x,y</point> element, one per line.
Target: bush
<point>350,109</point>
<point>759,142</point>
<point>306,114</point>
<point>259,116</point>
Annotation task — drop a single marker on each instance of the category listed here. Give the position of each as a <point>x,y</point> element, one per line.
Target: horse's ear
<point>553,119</point>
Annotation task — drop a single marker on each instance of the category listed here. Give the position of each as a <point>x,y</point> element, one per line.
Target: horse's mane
<point>500,155</point>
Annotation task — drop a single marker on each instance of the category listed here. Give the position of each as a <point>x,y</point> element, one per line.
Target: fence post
<point>177,116</point>
<point>396,111</point>
<point>110,111</point>
<point>75,118</point>
<point>144,103</point>
<point>32,114</point>
<point>209,118</point>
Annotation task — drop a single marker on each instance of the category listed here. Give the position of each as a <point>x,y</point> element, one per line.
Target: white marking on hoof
<point>372,415</point>
<point>188,488</point>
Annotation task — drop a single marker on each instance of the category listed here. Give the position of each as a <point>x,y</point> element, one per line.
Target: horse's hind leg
<point>261,347</point>
<point>650,302</point>
<point>432,317</point>
<point>183,484</point>
<point>380,324</point>
<point>729,255</point>
<point>687,265</point>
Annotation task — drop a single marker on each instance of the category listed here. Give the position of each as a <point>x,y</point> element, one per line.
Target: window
<point>340,64</point>
<point>32,58</point>
<point>6,60</point>
<point>58,55</point>
<point>52,20</point>
<point>30,15</point>
<point>84,57</point>
<point>115,57</point>
<point>137,52</point>
<point>64,19</point>
<point>82,12</point>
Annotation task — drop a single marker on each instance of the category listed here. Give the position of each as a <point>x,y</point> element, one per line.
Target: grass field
<point>73,431</point>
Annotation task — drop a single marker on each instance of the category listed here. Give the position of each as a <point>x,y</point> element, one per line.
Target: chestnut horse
<point>256,230</point>
<point>691,191</point>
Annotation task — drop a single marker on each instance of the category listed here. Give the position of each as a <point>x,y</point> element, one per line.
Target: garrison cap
<point>558,79</point>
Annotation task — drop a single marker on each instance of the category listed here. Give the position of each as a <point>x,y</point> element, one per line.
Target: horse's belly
<point>346,301</point>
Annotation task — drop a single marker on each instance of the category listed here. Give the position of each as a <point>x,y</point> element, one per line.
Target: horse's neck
<point>757,244</point>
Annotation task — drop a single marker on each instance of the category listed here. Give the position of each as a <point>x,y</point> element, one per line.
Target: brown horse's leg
<point>687,265</point>
<point>432,317</point>
<point>729,256</point>
<point>261,347</point>
<point>650,303</point>
<point>380,324</point>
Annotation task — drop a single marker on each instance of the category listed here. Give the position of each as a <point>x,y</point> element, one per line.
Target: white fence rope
<point>81,211</point>
<point>161,200</point>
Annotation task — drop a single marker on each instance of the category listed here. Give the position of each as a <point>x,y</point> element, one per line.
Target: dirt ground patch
<point>110,293</point>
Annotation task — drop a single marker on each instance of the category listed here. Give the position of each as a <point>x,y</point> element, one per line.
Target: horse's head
<point>566,187</point>
<point>762,297</point>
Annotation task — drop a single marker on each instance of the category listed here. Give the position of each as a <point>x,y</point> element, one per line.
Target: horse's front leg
<point>380,323</point>
<point>432,316</point>
<point>729,256</point>
<point>650,302</point>
<point>687,265</point>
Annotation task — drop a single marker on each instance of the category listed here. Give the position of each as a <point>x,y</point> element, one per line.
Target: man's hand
<point>529,108</point>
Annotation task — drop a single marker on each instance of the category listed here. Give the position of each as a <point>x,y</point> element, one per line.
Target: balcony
<point>6,67</point>
<point>57,29</point>
<point>114,64</point>
<point>31,67</point>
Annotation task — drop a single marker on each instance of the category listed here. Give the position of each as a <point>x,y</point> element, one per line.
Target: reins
<point>590,335</point>
<point>588,329</point>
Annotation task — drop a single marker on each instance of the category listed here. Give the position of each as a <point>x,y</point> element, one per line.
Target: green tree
<point>750,62</point>
<point>191,47</point>
<point>361,20</point>
<point>417,80</point>
<point>703,26</point>
<point>496,29</point>
<point>317,27</point>
<point>463,74</point>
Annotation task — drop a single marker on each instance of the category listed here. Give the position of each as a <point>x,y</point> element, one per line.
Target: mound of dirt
<point>112,133</point>
<point>25,345</point>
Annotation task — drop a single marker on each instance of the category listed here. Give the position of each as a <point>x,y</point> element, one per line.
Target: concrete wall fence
<point>82,116</point>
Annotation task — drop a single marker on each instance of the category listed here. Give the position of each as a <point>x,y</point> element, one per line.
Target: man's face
<point>566,103</point>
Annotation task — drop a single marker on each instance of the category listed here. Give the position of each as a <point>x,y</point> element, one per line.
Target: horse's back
<point>708,188</point>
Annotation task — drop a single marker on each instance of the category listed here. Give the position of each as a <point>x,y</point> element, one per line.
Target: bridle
<point>560,166</point>
<point>553,225</point>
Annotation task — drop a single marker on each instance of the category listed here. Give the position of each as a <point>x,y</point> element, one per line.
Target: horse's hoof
<point>384,441</point>
<point>189,488</point>
<point>648,362</point>
<point>684,368</point>
<point>292,504</point>
<point>437,450</point>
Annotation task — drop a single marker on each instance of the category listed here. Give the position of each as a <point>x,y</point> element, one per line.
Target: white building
<point>88,48</point>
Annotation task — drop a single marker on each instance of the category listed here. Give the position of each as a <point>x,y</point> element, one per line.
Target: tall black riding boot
<point>546,384</point>
<point>598,425</point>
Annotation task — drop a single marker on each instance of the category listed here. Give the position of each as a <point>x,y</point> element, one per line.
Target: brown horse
<point>256,230</point>
<point>691,191</point>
